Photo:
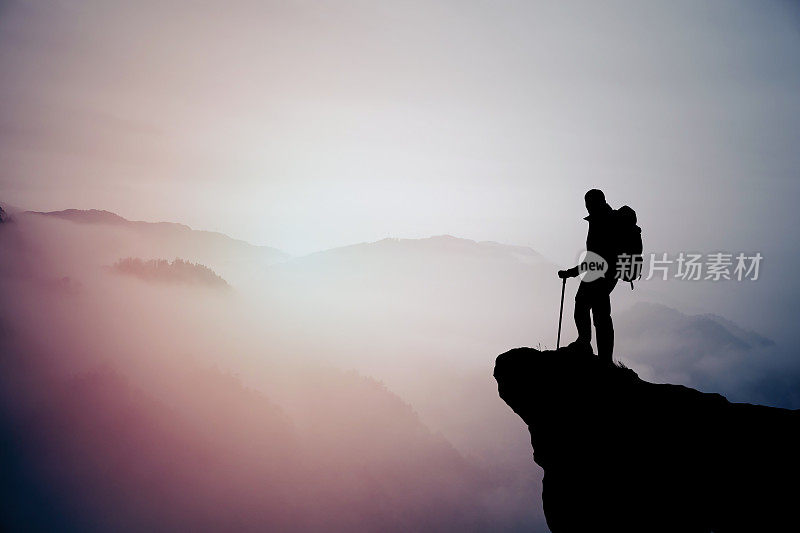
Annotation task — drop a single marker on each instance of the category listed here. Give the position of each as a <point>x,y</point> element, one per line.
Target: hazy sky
<point>307,125</point>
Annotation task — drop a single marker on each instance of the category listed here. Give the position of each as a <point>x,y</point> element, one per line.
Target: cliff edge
<point>622,454</point>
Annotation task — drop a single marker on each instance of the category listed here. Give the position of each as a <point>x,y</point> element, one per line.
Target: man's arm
<point>569,273</point>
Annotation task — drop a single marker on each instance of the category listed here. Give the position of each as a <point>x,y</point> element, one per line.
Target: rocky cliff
<point>622,454</point>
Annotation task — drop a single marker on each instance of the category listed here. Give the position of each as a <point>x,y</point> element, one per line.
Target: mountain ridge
<point>104,217</point>
<point>434,243</point>
<point>656,313</point>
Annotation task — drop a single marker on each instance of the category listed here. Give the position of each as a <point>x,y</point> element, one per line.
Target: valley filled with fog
<point>157,375</point>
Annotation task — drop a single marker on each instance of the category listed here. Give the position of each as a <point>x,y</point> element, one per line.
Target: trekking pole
<point>561,311</point>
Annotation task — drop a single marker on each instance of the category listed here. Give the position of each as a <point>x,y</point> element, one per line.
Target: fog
<point>228,410</point>
<point>347,389</point>
<point>351,209</point>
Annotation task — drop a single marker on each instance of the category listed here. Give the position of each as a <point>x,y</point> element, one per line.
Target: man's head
<point>595,201</point>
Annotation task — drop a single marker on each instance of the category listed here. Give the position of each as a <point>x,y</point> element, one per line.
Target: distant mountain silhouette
<point>649,320</point>
<point>751,338</point>
<point>208,238</point>
<point>438,283</point>
<point>621,454</point>
<point>101,237</point>
<point>703,351</point>
<point>437,244</point>
<point>177,271</point>
<point>90,216</point>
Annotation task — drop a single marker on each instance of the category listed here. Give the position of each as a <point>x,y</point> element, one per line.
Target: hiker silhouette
<point>615,237</point>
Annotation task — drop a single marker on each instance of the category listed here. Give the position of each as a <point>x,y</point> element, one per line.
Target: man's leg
<point>601,316</point>
<point>582,321</point>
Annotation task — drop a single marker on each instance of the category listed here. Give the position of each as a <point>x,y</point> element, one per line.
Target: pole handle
<point>561,312</point>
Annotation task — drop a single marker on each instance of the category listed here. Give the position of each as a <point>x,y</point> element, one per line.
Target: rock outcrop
<point>621,454</point>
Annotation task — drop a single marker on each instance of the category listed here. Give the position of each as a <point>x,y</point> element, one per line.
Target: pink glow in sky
<point>329,385</point>
<point>310,125</point>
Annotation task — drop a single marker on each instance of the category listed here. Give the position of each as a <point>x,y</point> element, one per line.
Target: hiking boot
<point>580,345</point>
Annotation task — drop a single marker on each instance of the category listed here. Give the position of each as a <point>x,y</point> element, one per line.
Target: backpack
<point>629,245</point>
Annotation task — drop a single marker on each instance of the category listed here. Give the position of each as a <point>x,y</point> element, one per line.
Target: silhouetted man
<point>595,295</point>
